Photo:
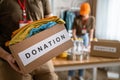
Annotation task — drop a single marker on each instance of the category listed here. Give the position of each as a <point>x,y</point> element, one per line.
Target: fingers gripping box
<point>41,47</point>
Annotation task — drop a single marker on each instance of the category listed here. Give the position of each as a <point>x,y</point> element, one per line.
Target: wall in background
<point>59,5</point>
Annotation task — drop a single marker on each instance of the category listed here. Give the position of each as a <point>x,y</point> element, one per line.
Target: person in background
<point>83,27</point>
<point>13,13</point>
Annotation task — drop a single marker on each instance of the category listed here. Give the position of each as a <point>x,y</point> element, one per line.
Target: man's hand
<point>10,59</point>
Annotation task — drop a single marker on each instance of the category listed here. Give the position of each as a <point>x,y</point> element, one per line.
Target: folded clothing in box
<point>41,47</point>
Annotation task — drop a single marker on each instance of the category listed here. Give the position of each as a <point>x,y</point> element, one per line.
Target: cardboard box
<point>41,47</point>
<point>105,48</point>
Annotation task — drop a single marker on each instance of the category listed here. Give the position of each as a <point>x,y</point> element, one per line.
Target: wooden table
<point>93,62</point>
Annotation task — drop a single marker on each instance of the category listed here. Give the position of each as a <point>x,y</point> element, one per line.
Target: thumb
<point>13,60</point>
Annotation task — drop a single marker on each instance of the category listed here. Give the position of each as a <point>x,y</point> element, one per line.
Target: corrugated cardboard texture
<point>15,49</point>
<point>106,43</point>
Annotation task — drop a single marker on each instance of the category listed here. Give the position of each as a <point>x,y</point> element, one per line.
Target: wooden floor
<point>102,75</point>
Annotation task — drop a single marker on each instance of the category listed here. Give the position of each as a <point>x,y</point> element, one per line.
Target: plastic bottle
<point>79,49</point>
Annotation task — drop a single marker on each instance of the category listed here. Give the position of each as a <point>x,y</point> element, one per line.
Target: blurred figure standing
<point>83,27</point>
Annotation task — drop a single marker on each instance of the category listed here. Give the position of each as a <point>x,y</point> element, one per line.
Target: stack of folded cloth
<point>33,28</point>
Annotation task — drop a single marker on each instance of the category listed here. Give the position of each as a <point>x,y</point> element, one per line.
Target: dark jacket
<point>11,14</point>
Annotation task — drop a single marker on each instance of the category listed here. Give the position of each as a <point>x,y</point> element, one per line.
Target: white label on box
<point>104,48</point>
<point>34,52</point>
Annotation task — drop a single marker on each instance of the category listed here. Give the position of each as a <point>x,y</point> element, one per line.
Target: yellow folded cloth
<point>21,33</point>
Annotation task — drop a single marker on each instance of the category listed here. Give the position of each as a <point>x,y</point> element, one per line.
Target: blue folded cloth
<point>41,28</point>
